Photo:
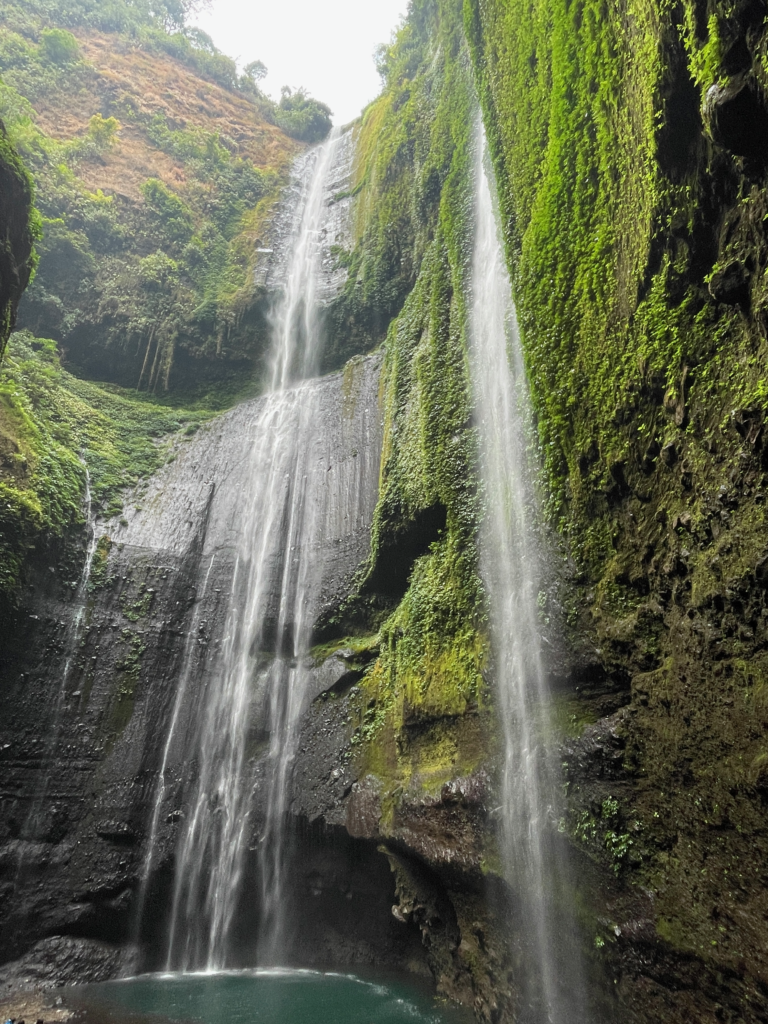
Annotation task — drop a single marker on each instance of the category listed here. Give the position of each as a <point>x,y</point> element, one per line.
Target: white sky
<point>324,45</point>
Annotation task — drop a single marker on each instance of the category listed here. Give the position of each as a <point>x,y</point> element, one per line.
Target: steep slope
<point>630,142</point>
<point>155,186</point>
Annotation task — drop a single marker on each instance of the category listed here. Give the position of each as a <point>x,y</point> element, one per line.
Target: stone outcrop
<point>15,235</point>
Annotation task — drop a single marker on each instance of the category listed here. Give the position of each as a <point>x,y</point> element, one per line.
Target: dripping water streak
<point>189,666</point>
<point>33,824</point>
<point>295,351</point>
<point>511,566</point>
<point>288,683</point>
<point>267,629</point>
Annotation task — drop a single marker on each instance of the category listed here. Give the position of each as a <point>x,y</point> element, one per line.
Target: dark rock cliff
<point>88,686</point>
<point>629,143</point>
<point>16,236</point>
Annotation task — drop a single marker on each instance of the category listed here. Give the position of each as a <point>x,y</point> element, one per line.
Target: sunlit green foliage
<point>200,231</point>
<point>641,283</point>
<point>53,426</point>
<point>302,117</point>
<point>569,97</point>
<point>58,46</point>
<point>208,224</point>
<point>593,186</point>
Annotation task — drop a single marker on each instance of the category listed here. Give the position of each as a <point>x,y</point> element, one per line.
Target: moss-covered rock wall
<point>627,146</point>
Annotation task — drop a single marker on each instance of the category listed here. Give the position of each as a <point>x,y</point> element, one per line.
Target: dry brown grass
<point>151,83</point>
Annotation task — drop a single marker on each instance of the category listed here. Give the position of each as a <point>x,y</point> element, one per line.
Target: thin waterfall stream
<point>262,657</point>
<point>512,569</point>
<point>33,823</point>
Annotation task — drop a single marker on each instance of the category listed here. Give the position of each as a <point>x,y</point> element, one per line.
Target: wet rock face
<point>447,911</point>
<point>340,904</point>
<point>86,693</point>
<point>64,961</point>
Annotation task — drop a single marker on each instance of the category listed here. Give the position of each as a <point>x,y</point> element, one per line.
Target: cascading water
<point>189,663</point>
<point>511,566</point>
<point>272,605</point>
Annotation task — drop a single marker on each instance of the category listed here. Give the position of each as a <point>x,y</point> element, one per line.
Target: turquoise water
<point>264,997</point>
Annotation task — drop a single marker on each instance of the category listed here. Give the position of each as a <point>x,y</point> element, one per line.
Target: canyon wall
<point>89,687</point>
<point>628,146</point>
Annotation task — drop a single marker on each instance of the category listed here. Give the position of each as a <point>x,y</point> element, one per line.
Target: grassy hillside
<point>154,186</point>
<point>55,428</point>
<point>157,167</point>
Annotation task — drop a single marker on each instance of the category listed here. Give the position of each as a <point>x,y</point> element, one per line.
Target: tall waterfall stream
<point>264,650</point>
<point>512,567</point>
<point>34,824</point>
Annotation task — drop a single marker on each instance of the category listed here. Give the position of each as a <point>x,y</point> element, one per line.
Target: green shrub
<point>302,117</point>
<point>65,255</point>
<point>59,46</point>
<point>98,139</point>
<point>158,271</point>
<point>15,51</point>
<point>174,216</point>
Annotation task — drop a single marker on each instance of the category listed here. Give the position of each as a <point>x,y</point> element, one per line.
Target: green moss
<point>128,669</point>
<point>359,646</point>
<point>139,607</point>
<point>623,221</point>
<point>21,226</point>
<point>98,577</point>
<point>54,427</point>
<point>425,701</point>
<point>569,102</point>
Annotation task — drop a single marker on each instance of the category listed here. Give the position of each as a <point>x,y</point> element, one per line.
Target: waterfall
<point>189,664</point>
<point>261,665</point>
<point>511,566</point>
